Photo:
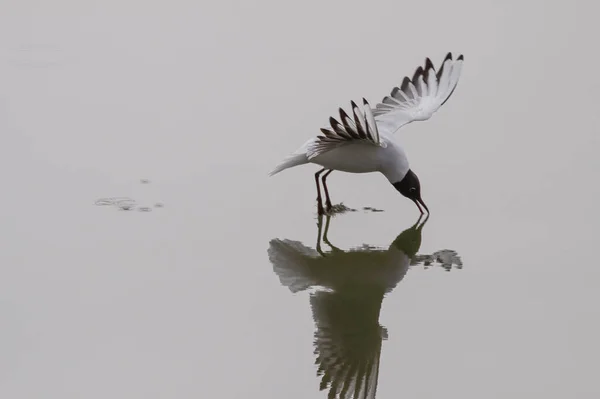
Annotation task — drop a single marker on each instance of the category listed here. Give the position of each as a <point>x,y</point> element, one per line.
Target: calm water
<point>221,291</point>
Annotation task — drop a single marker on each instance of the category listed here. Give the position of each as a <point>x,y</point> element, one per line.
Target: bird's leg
<point>327,200</point>
<point>320,227</point>
<point>319,201</point>
<point>325,238</point>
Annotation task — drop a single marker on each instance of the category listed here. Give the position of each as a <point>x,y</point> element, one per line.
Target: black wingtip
<point>460,58</point>
<point>365,102</point>
<point>429,64</point>
<point>441,70</point>
<point>353,104</point>
<point>343,114</point>
<point>418,72</point>
<point>405,83</point>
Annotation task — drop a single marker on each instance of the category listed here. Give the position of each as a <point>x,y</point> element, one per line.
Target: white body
<point>360,157</point>
<point>300,268</point>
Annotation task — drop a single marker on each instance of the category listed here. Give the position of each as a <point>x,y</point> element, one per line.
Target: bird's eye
<point>412,189</point>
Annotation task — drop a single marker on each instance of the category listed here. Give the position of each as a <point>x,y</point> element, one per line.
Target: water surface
<point>201,100</point>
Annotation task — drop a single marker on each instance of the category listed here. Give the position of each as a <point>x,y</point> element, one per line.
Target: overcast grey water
<point>147,254</point>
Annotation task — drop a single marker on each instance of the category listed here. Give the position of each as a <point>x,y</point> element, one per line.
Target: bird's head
<point>410,187</point>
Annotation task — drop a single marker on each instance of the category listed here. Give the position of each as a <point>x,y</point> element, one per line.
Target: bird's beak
<point>420,201</point>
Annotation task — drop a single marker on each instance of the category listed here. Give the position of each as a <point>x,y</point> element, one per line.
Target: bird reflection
<point>347,290</point>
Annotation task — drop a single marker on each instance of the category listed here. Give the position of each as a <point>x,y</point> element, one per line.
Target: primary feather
<point>417,99</point>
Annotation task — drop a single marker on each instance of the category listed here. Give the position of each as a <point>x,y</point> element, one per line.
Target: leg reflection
<point>325,238</point>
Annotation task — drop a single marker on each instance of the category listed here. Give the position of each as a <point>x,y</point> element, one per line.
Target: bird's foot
<point>338,209</point>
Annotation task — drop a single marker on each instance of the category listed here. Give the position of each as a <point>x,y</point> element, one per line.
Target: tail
<point>290,161</point>
<point>291,262</point>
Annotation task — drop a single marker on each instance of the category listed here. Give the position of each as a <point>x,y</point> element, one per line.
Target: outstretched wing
<point>361,128</point>
<point>419,98</point>
<point>348,340</point>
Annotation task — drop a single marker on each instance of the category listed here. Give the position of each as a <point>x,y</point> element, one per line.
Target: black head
<point>409,241</point>
<point>410,187</point>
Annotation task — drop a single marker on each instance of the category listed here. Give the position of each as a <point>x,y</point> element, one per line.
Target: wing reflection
<point>347,290</point>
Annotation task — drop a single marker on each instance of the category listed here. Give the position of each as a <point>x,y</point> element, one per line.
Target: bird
<point>362,142</point>
<point>347,289</point>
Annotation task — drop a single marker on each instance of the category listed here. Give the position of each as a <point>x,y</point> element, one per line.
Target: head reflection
<point>347,290</point>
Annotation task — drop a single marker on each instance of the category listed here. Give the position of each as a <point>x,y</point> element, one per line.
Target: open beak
<point>420,201</point>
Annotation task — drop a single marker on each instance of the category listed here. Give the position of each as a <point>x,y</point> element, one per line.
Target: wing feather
<point>417,99</point>
<point>339,129</point>
<point>347,345</point>
<point>348,124</point>
<point>371,124</point>
<point>362,128</point>
<point>359,119</point>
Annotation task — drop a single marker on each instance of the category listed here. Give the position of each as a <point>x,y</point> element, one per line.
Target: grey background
<point>203,99</point>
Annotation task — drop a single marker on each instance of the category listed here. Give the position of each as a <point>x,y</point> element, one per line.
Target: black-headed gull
<point>362,143</point>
